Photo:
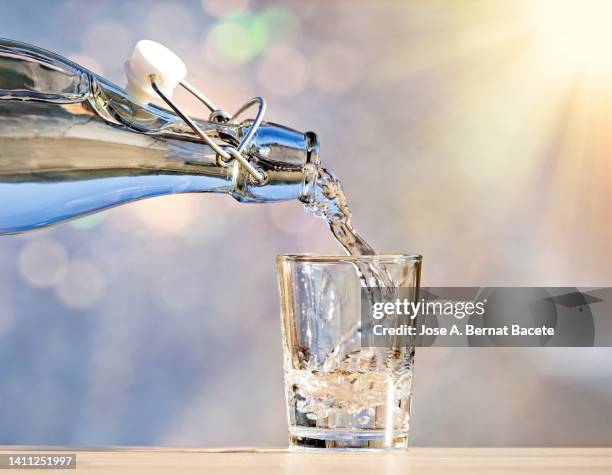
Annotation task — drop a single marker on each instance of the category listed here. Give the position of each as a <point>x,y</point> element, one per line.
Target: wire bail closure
<point>154,69</point>
<point>225,155</point>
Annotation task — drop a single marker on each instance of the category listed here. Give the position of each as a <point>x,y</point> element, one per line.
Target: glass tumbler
<point>340,394</point>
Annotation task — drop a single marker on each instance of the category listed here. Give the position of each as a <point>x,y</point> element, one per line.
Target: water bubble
<point>366,417</point>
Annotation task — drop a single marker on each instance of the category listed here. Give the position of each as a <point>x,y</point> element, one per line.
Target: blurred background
<point>472,132</point>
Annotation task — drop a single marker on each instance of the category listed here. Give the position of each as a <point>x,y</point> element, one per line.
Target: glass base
<point>346,439</point>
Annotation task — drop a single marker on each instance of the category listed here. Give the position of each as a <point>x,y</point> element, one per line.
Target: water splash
<point>330,204</point>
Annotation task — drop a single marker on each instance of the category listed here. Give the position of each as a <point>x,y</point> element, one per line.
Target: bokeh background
<point>473,132</point>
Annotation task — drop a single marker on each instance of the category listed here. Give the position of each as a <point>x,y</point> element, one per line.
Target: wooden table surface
<point>415,461</point>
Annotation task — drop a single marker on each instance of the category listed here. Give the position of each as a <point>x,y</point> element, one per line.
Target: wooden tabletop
<point>415,461</point>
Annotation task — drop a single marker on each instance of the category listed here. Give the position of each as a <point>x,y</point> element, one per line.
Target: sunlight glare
<point>576,33</point>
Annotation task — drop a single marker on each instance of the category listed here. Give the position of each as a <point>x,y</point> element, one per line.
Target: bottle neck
<point>287,158</point>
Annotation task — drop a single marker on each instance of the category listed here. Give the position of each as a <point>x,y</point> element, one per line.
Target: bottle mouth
<point>311,167</point>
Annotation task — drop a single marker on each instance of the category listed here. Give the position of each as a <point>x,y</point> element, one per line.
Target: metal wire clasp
<point>225,155</point>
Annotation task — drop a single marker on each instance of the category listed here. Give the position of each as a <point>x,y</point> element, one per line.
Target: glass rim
<point>338,258</point>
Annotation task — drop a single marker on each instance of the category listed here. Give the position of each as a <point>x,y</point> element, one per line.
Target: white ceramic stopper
<point>151,58</point>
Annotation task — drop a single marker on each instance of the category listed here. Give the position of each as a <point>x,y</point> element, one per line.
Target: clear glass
<point>341,395</point>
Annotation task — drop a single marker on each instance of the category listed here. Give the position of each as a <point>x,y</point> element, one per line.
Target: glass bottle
<point>72,143</point>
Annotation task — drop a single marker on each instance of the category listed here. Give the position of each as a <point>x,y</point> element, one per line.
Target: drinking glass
<point>340,394</point>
